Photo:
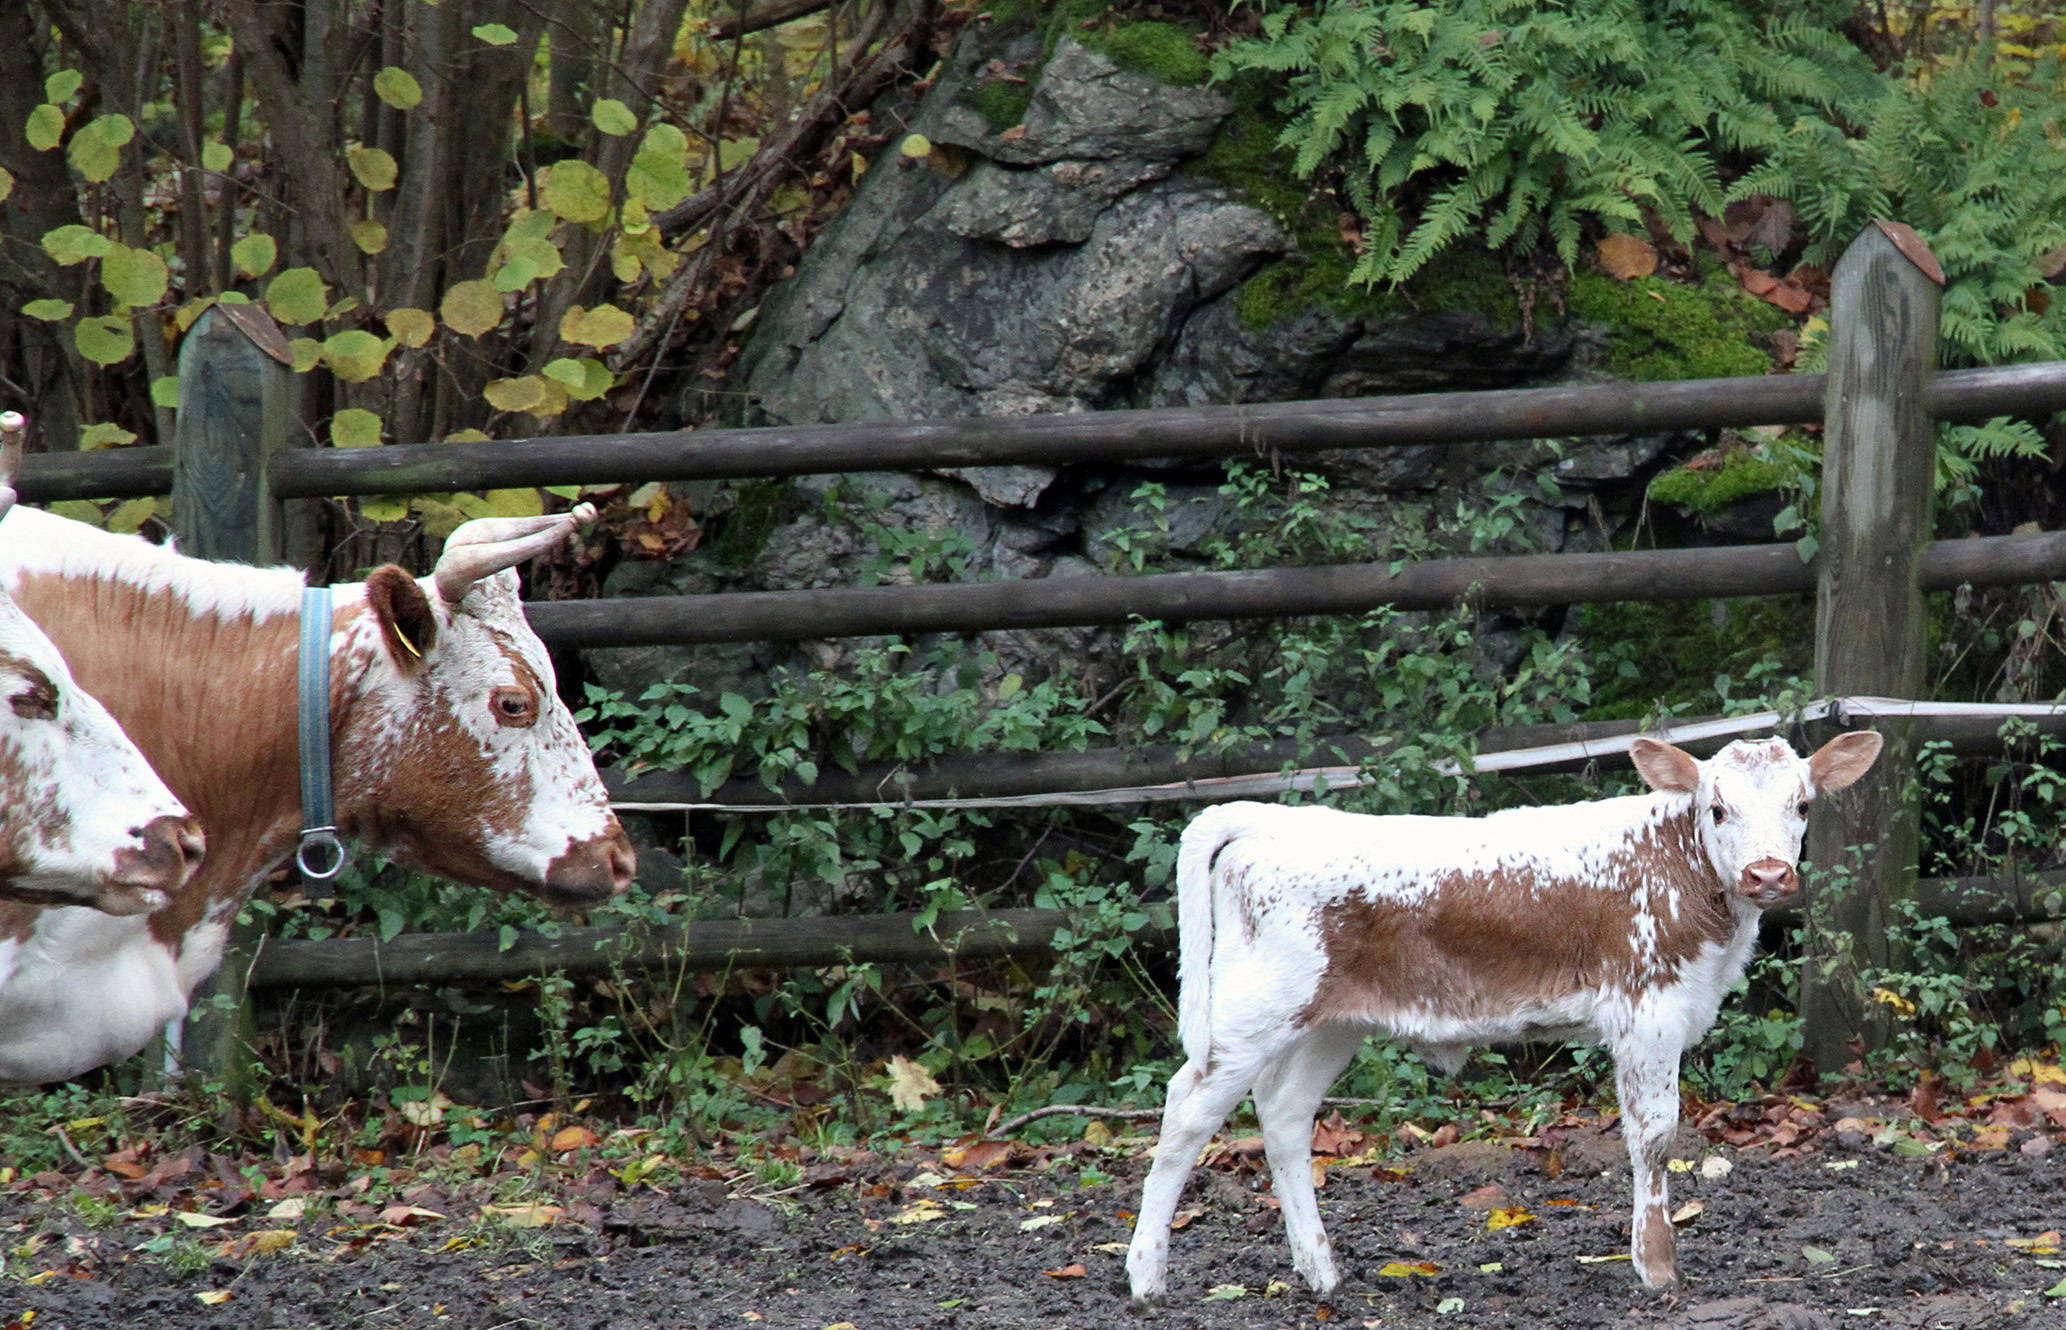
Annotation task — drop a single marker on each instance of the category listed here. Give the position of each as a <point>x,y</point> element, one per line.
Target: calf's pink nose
<point>1770,880</point>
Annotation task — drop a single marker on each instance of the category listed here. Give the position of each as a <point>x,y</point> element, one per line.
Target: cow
<point>452,753</point>
<point>83,818</point>
<point>1301,930</point>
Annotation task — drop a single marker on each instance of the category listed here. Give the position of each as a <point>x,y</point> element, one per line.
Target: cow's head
<point>463,761</point>
<point>83,818</point>
<point>1751,800</point>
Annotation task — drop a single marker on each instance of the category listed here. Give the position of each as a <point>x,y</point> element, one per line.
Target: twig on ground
<point>1081,1110</point>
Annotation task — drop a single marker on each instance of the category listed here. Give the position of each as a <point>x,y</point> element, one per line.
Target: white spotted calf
<point>1621,922</point>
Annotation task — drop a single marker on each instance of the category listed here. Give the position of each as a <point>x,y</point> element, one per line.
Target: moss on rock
<point>1707,492</point>
<point>1162,51</point>
<point>1661,329</point>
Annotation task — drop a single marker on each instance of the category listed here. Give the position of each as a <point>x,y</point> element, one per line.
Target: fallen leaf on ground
<point>1039,1221</point>
<point>1602,1260</point>
<point>1818,1256</point>
<point>1112,1248</point>
<point>572,1138</point>
<point>1488,1197</point>
<point>919,1212</point>
<point>522,1216</point>
<point>1183,1217</point>
<point>1687,1213</point>
<point>1403,1269</point>
<point>195,1219</point>
<point>1226,1292</point>
<point>1714,1166</point>
<point>1508,1218</point>
<point>978,1155</point>
<point>401,1216</point>
<point>1067,1272</point>
<point>214,1297</point>
<point>294,1207</point>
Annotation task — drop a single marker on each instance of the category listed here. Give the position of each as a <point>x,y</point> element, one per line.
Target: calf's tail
<point>1202,840</point>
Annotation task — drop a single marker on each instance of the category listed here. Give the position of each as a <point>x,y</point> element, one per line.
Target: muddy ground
<point>1849,1234</point>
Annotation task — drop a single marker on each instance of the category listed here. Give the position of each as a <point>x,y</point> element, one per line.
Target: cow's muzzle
<point>590,871</point>
<point>1768,883</point>
<point>146,874</point>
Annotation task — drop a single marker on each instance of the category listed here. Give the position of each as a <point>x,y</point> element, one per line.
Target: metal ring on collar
<point>325,839</point>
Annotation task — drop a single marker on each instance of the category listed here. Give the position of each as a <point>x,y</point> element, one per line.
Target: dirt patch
<point>1852,1235</point>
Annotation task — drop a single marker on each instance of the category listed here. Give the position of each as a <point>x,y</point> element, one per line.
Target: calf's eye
<point>1804,808</point>
<point>1719,816</point>
<point>34,704</point>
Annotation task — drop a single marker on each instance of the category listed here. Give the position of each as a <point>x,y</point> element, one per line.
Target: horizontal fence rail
<point>1272,593</point>
<point>1163,771</point>
<point>1102,436</point>
<point>959,935</point>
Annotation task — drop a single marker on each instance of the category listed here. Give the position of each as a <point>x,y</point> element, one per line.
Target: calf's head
<point>1750,802</point>
<point>83,818</point>
<point>465,762</point>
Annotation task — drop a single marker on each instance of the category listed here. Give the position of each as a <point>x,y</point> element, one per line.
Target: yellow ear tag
<point>406,642</point>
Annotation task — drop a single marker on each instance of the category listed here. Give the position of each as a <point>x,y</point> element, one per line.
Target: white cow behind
<point>1621,922</point>
<point>452,753</point>
<point>83,818</point>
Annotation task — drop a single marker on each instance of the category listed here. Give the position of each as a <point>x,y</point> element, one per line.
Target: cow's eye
<point>34,704</point>
<point>514,706</point>
<point>1804,808</point>
<point>1719,816</point>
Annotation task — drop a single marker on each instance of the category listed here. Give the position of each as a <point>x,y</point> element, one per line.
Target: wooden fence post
<point>236,409</point>
<point>1879,457</point>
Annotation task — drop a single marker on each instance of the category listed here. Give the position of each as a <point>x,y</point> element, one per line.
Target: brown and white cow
<point>83,818</point>
<point>1622,922</point>
<point>452,753</point>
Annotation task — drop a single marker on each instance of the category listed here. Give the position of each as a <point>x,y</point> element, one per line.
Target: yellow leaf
<point>1499,1219</point>
<point>369,236</point>
<point>523,1216</point>
<point>411,327</point>
<point>1404,1269</point>
<point>1604,1260</point>
<point>919,1212</point>
<point>355,427</point>
<point>605,325</point>
<point>566,1138</point>
<point>515,394</point>
<point>371,167</point>
<point>214,1297</point>
<point>124,521</point>
<point>307,353</point>
<point>270,1240</point>
<point>472,307</point>
<point>909,1084</point>
<point>1887,997</point>
<point>195,1219</point>
<point>915,145</point>
<point>466,436</point>
<point>383,508</point>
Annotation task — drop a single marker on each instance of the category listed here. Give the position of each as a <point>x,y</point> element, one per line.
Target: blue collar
<point>318,818</point>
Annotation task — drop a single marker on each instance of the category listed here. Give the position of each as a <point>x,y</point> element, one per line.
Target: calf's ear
<point>408,627</point>
<point>1843,759</point>
<point>1665,767</point>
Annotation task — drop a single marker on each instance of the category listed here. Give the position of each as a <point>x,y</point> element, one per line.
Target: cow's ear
<point>1665,767</point>
<point>407,624</point>
<point>1844,759</point>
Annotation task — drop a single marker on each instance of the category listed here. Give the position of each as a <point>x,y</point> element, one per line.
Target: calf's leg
<point>1646,1074</point>
<point>1287,1096</point>
<point>1200,1097</point>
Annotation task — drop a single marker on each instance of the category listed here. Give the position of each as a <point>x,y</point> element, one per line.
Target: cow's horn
<point>488,545</point>
<point>13,425</point>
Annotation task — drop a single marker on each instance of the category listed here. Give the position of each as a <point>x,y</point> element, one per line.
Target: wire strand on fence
<point>1844,710</point>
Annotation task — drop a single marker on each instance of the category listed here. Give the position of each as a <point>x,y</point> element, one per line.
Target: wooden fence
<point>237,462</point>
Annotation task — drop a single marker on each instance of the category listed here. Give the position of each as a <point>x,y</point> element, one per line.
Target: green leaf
<point>117,129</point>
<point>128,517</point>
<point>307,353</point>
<point>297,296</point>
<point>495,34</point>
<point>105,435</point>
<point>605,325</point>
<point>656,181</point>
<point>60,86</point>
<point>75,244</point>
<point>105,340</point>
<point>613,117</point>
<point>471,307</point>
<point>255,254</point>
<point>45,128</point>
<point>384,508</point>
<point>586,379</point>
<point>6,183</point>
<point>664,140</point>
<point>50,311</point>
<point>576,191</point>
<point>217,156</point>
<point>2057,1290</point>
<point>96,150</point>
<point>915,145</point>
<point>134,276</point>
<point>397,87</point>
<point>355,355</point>
<point>413,327</point>
<point>372,167</point>
<point>370,236</point>
<point>165,391</point>
<point>355,428</point>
